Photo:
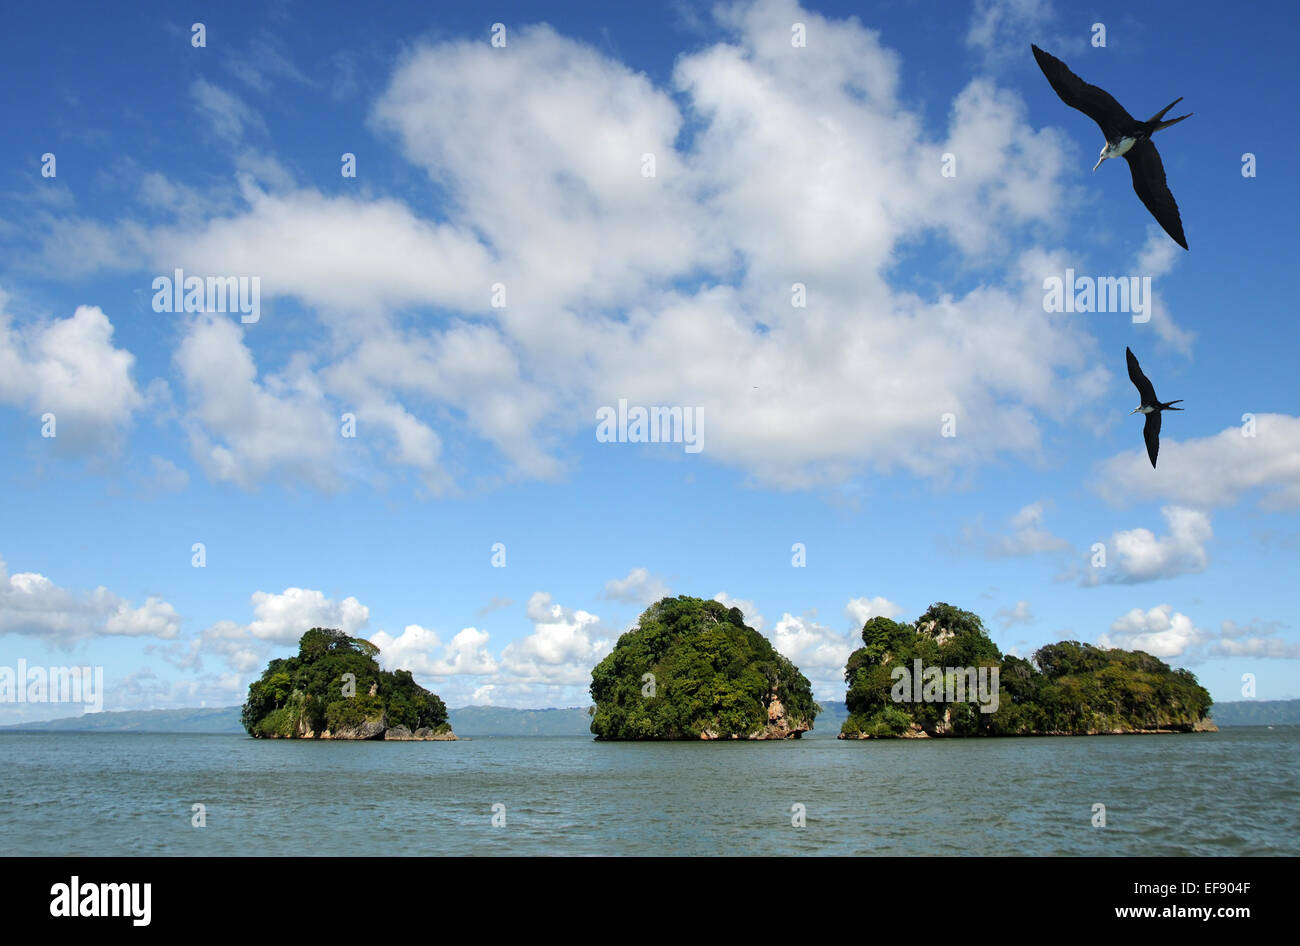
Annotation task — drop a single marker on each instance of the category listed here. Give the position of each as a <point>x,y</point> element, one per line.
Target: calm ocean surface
<point>1235,792</point>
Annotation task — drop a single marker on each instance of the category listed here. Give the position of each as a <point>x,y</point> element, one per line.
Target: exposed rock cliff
<point>369,729</point>
<point>779,725</point>
<point>374,729</point>
<point>423,733</point>
<point>915,731</point>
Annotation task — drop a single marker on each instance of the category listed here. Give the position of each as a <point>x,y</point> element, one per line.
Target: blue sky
<point>524,165</point>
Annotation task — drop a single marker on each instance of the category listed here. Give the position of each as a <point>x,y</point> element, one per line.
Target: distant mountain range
<point>224,719</point>
<point>1257,713</point>
<point>468,721</point>
<point>485,721</point>
<point>480,721</point>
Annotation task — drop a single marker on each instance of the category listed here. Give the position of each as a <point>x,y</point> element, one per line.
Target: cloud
<point>1258,647</point>
<point>1003,29</point>
<point>1254,639</point>
<point>1260,456</point>
<point>227,640</point>
<point>638,587</point>
<point>861,610</point>
<point>475,370</point>
<point>154,618</point>
<point>819,652</point>
<point>1020,614</point>
<point>71,369</point>
<point>411,650</point>
<point>676,288</point>
<point>243,429</point>
<point>73,246</point>
<point>1231,630</point>
<point>340,253</point>
<point>227,115</point>
<point>551,666</point>
<point>496,604</point>
<point>283,618</point>
<point>1025,537</point>
<point>543,151</point>
<point>562,648</point>
<point>1161,632</point>
<point>1137,555</point>
<point>465,654</point>
<point>1166,633</point>
<point>673,288</point>
<point>143,689</point>
<point>166,476</point>
<point>1157,258</point>
<point>278,620</point>
<point>159,192</point>
<point>33,605</point>
<point>265,62</point>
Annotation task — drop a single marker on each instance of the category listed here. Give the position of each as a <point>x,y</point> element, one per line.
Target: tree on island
<point>1068,687</point>
<point>334,685</point>
<point>692,669</point>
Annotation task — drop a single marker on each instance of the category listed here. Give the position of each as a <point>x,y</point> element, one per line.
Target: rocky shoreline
<point>916,731</point>
<point>374,730</point>
<point>423,734</point>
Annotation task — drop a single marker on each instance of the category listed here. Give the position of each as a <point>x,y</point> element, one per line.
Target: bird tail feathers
<point>1158,118</point>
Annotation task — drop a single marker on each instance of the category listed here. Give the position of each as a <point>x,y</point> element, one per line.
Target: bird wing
<point>1151,434</point>
<point>1097,104</point>
<point>1145,390</point>
<point>1149,183</point>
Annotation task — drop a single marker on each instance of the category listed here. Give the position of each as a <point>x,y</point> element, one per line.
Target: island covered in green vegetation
<point>334,689</point>
<point>692,669</point>
<point>942,676</point>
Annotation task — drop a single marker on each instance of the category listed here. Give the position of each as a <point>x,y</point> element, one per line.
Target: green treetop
<point>692,666</point>
<point>312,692</point>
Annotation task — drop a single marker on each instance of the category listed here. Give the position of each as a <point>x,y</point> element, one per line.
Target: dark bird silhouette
<point>1125,136</point>
<point>1150,406</point>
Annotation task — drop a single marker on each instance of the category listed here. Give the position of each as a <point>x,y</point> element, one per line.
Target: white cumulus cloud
<point>1160,631</point>
<point>69,368</point>
<point>1259,456</point>
<point>637,587</point>
<point>861,610</point>
<point>1139,555</point>
<point>33,605</point>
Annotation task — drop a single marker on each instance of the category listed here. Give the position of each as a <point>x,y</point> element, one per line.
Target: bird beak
<point>1136,409</point>
<point>1098,164</point>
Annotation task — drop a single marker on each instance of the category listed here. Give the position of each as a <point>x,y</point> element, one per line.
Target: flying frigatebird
<point>1149,406</point>
<point>1125,137</point>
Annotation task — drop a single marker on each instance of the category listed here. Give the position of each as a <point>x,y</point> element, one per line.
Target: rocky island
<point>334,689</point>
<point>692,669</point>
<point>942,676</point>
